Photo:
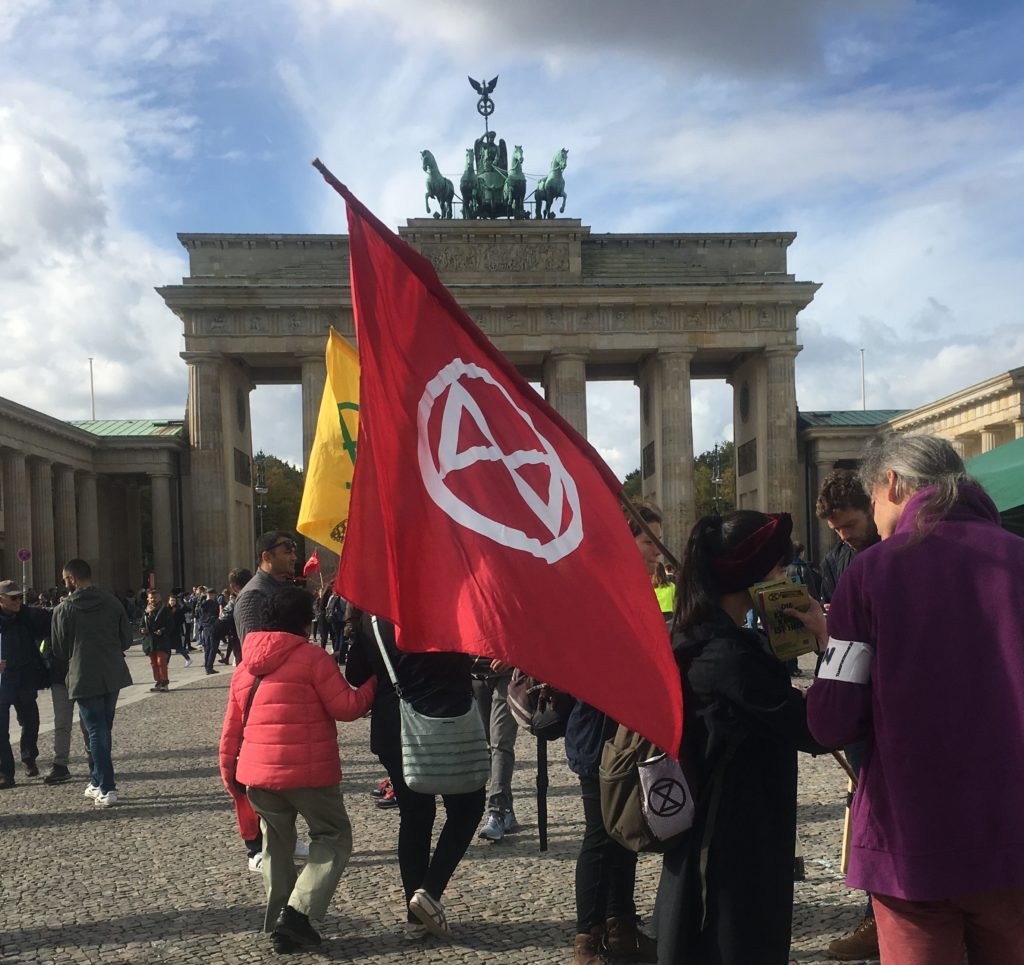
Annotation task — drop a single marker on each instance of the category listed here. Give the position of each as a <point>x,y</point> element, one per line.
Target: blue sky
<point>887,133</point>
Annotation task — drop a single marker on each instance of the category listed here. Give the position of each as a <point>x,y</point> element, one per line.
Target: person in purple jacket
<point>925,661</point>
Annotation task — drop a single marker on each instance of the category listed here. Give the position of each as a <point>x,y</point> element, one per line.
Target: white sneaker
<point>106,800</point>
<point>92,791</point>
<point>429,911</point>
<point>256,862</point>
<point>188,662</point>
<point>301,849</point>
<point>493,829</point>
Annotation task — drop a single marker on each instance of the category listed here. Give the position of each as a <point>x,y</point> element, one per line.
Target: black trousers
<point>27,711</point>
<point>417,812</point>
<point>605,870</point>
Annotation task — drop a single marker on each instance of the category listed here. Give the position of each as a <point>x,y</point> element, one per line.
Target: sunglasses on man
<point>288,544</point>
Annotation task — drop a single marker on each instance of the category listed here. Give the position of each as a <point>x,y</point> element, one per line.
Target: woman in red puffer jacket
<point>288,760</point>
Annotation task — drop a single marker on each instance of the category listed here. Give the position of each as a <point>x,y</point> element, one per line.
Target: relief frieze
<point>498,257</point>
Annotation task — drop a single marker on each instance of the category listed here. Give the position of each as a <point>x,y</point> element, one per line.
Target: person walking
<point>91,633</point>
<point>725,896</point>
<point>179,633</point>
<point>207,614</point>
<point>437,685</point>
<point>924,663</point>
<point>22,675</point>
<point>158,630</point>
<point>280,740</point>
<point>490,687</point>
<point>606,918</point>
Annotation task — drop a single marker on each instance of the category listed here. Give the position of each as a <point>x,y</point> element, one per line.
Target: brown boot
<point>625,942</point>
<point>860,944</point>
<point>587,948</point>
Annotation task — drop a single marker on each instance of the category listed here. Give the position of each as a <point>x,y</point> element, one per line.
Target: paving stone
<point>162,877</point>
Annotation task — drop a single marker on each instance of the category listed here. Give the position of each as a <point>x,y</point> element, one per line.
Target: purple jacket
<point>926,662</point>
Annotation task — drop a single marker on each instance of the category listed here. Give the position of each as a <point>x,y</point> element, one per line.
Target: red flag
<point>312,565</point>
<point>480,520</point>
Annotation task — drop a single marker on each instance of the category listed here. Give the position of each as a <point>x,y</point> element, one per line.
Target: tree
<point>717,463</point>
<point>714,475</point>
<point>284,496</point>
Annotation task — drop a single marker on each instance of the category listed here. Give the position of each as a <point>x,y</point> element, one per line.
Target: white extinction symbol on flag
<point>561,486</point>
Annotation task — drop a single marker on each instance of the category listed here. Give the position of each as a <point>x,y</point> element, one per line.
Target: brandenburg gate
<point>565,305</point>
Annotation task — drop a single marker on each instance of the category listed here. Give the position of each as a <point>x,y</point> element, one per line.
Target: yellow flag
<point>323,515</point>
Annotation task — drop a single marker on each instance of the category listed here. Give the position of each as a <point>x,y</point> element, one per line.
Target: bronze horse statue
<point>515,185</point>
<point>553,186</point>
<point>469,186</point>
<point>438,187</point>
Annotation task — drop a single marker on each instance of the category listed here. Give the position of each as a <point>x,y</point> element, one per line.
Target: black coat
<point>745,722</point>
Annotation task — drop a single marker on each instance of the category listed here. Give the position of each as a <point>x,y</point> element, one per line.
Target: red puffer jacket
<point>291,739</point>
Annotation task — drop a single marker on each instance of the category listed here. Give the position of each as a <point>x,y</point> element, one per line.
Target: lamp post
<point>716,474</point>
<point>261,486</point>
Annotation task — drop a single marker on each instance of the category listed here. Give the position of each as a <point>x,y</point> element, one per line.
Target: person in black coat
<point>437,685</point>
<point>744,724</point>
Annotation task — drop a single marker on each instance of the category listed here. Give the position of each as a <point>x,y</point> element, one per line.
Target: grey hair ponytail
<point>917,461</point>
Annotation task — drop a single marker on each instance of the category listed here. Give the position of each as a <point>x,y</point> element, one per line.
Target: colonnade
<point>60,512</point>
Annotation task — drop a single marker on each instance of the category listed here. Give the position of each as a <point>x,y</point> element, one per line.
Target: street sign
<point>24,554</point>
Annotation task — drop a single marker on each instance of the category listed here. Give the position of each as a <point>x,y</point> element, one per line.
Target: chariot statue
<point>492,185</point>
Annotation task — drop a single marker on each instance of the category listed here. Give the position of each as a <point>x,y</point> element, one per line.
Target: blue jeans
<point>97,714</point>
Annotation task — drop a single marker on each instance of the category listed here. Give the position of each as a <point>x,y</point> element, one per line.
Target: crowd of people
<point>919,683</point>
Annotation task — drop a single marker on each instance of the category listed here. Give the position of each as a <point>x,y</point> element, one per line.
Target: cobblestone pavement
<point>162,877</point>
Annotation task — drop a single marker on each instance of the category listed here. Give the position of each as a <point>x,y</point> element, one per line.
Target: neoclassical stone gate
<point>566,306</point>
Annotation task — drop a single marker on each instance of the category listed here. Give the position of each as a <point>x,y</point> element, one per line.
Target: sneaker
<point>511,824</point>
<point>6,781</point>
<point>388,801</point>
<point>92,791</point>
<point>493,829</point>
<point>301,849</point>
<point>211,671</point>
<point>861,943</point>
<point>188,661</point>
<point>256,862</point>
<point>382,787</point>
<point>295,925</point>
<point>58,775</point>
<point>431,912</point>
<point>31,769</point>
<point>106,800</point>
<point>156,689</point>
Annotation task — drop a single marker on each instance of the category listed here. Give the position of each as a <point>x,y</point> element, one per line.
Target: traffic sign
<point>24,554</point>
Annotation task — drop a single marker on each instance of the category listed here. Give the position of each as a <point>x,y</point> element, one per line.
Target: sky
<point>889,134</point>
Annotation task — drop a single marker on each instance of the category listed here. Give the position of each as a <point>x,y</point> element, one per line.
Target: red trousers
<point>990,925</point>
<point>158,661</point>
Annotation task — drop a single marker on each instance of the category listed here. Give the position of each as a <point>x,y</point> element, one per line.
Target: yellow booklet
<point>788,637</point>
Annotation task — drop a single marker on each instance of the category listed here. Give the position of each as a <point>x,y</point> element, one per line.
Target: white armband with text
<point>846,660</point>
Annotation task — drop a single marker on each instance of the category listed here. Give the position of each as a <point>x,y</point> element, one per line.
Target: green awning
<point>1001,472</point>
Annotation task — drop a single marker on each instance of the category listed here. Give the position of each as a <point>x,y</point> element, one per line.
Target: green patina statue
<point>491,185</point>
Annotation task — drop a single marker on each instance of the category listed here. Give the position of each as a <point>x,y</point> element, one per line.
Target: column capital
<point>783,351</point>
<point>195,358</point>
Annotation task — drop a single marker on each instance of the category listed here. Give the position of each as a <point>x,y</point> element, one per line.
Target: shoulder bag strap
<point>245,718</point>
<point>387,659</point>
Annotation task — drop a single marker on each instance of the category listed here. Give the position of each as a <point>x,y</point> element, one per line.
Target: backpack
<point>538,708</point>
<point>648,800</point>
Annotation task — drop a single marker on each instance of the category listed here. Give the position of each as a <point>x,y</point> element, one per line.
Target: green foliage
<point>284,496</point>
<point>709,466</point>
<point>631,485</point>
<point>706,468</point>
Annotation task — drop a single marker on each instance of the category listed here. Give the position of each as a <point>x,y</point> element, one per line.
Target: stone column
<point>314,376</point>
<point>17,514</point>
<point>43,565</point>
<point>1018,428</point>
<point>565,387</point>
<point>133,534</point>
<point>65,516</point>
<point>989,439</point>
<point>88,521</point>
<point>675,459</point>
<point>210,473</point>
<point>163,550</point>
<point>782,483</point>
<point>959,446</point>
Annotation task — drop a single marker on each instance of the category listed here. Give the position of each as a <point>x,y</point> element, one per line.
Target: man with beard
<point>846,508</point>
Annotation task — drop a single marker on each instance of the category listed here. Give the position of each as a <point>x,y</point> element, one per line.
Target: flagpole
<point>634,514</point>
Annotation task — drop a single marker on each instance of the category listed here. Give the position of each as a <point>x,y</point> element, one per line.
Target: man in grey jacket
<point>276,551</point>
<point>90,634</point>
